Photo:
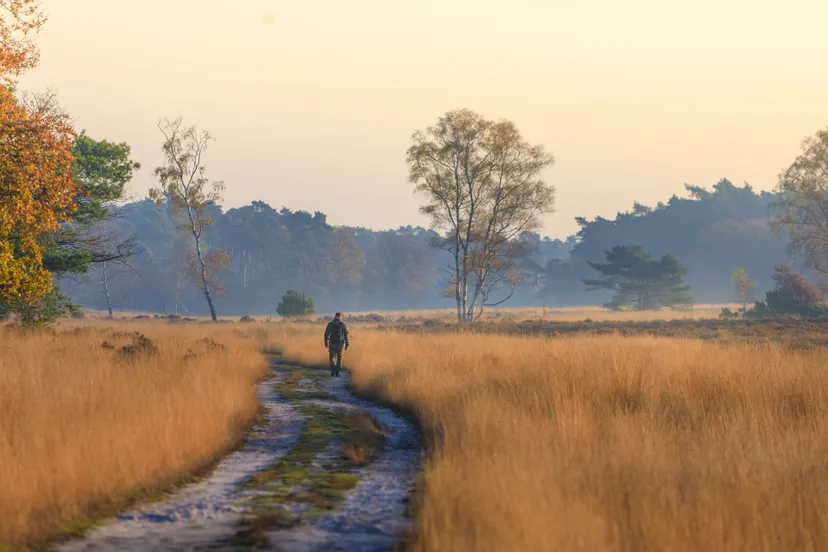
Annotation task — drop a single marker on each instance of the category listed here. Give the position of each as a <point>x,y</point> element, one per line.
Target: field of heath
<point>557,314</point>
<point>602,443</point>
<point>91,417</point>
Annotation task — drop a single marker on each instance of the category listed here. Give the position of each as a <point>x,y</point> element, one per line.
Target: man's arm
<point>345,334</point>
<point>327,333</point>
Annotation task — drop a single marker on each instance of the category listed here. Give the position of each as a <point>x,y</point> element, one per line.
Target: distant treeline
<point>711,232</point>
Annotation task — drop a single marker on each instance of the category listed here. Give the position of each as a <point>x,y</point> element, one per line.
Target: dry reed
<point>604,443</point>
<point>89,419</point>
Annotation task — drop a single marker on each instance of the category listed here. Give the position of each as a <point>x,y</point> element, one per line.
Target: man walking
<point>336,337</point>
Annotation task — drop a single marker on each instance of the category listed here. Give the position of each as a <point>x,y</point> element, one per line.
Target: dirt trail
<point>372,516</point>
<point>314,475</point>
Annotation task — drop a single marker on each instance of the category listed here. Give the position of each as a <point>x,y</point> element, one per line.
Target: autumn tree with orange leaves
<point>20,20</point>
<point>38,191</point>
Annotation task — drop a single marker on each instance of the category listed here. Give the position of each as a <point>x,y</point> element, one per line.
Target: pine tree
<point>295,304</point>
<point>639,281</point>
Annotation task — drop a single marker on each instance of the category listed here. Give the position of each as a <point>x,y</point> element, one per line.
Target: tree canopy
<point>802,208</point>
<point>792,294</point>
<point>482,187</point>
<point>639,281</point>
<point>102,169</point>
<point>20,20</point>
<point>744,286</point>
<point>295,304</point>
<point>39,193</point>
<point>710,231</point>
<point>272,250</point>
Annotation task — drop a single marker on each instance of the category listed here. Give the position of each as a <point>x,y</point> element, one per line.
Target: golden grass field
<point>83,427</point>
<point>592,443</point>
<point>605,443</point>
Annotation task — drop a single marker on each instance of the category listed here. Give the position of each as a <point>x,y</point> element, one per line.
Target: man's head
<point>338,316</point>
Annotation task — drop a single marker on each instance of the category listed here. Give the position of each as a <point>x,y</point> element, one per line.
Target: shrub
<point>295,304</point>
<point>44,312</point>
<point>792,295</point>
<point>728,314</point>
<point>759,310</point>
<point>370,317</point>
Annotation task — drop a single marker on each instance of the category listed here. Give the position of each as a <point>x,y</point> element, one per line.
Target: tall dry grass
<point>84,427</point>
<point>604,443</point>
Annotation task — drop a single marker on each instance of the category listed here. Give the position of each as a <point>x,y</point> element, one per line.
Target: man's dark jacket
<point>343,332</point>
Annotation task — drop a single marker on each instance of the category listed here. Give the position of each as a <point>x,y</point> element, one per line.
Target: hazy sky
<point>313,102</point>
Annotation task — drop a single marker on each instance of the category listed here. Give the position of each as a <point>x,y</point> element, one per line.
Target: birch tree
<point>744,286</point>
<point>183,182</point>
<point>803,209</point>
<point>105,281</point>
<point>483,189</point>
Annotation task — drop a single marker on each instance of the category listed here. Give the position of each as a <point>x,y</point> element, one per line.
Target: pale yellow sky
<point>313,102</point>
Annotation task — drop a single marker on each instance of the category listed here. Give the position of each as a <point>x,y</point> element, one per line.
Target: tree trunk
<point>210,303</point>
<point>457,285</point>
<point>106,292</point>
<point>472,312</point>
<point>479,313</point>
<point>205,284</point>
<point>464,288</point>
<point>178,292</point>
<point>479,296</point>
<point>244,269</point>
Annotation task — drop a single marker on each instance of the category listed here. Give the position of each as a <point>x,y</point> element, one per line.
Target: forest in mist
<point>269,251</point>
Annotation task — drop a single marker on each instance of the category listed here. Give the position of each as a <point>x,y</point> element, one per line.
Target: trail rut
<point>290,487</point>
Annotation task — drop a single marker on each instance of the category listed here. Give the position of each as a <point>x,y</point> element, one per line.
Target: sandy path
<point>372,518</point>
<point>204,515</point>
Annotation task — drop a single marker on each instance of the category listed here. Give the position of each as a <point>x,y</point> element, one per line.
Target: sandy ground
<point>373,515</point>
<point>207,513</point>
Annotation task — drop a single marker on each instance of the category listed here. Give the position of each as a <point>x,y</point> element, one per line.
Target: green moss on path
<point>324,464</point>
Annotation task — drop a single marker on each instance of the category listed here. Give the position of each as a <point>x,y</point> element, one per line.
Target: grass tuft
<point>363,440</point>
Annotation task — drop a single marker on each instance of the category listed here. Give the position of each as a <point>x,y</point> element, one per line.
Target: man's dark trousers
<point>335,357</point>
